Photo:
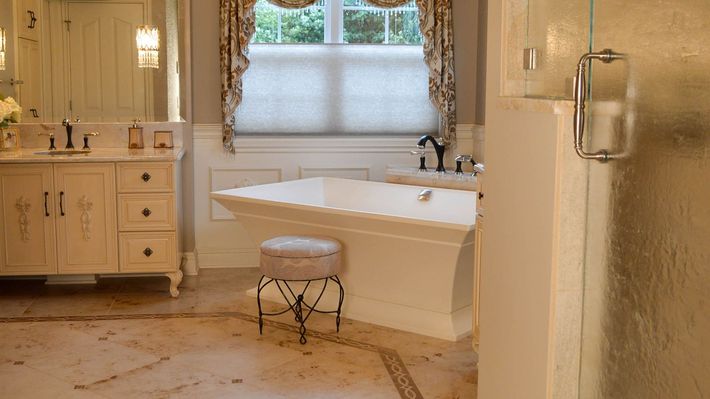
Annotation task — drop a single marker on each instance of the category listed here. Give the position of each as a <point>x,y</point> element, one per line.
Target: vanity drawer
<point>146,212</point>
<point>148,252</point>
<point>145,177</point>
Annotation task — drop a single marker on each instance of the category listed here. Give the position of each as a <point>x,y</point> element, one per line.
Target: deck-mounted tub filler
<point>408,258</point>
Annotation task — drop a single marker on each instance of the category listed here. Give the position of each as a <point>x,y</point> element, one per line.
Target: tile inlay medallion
<point>393,363</point>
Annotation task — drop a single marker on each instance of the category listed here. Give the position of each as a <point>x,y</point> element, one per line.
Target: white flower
<point>10,110</point>
<point>5,111</point>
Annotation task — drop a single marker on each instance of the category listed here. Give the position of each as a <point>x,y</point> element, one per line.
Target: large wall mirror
<point>98,60</point>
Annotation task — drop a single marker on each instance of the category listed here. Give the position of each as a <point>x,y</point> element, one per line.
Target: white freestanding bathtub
<point>408,264</point>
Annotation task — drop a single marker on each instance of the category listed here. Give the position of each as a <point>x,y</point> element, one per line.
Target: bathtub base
<point>406,264</point>
<point>450,327</point>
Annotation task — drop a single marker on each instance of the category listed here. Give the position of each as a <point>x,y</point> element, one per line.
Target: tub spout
<point>425,195</point>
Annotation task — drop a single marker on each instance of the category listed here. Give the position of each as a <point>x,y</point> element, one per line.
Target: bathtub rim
<point>223,195</point>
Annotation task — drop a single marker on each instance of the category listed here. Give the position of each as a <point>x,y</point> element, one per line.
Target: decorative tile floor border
<point>397,370</point>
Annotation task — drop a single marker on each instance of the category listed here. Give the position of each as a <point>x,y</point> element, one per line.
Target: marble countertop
<point>413,176</point>
<point>28,155</point>
<point>431,173</point>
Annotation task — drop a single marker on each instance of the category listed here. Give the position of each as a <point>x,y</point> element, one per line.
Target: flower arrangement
<point>10,111</point>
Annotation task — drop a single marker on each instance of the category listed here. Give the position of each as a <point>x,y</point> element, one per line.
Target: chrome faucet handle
<point>66,121</point>
<point>86,139</point>
<point>462,158</point>
<point>422,156</point>
<point>77,120</point>
<point>50,134</point>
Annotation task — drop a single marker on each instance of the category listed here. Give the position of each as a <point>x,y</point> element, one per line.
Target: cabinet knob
<point>146,176</point>
<point>147,252</point>
<point>146,212</point>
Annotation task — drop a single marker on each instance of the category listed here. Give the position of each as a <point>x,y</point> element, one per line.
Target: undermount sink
<point>62,152</point>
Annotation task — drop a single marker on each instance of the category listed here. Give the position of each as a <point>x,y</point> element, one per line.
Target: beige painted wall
<point>516,282</point>
<point>205,61</point>
<point>206,106</point>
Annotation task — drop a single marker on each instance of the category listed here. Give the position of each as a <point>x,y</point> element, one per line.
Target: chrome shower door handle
<point>580,96</point>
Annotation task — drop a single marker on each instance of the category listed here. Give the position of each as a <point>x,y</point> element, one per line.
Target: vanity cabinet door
<point>86,222</point>
<point>29,19</point>
<point>30,72</point>
<point>27,241</point>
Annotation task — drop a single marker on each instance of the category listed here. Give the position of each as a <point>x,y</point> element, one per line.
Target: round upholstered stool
<point>287,259</point>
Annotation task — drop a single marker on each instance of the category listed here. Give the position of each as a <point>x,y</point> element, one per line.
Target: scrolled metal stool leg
<point>340,302</point>
<point>300,320</point>
<point>258,302</point>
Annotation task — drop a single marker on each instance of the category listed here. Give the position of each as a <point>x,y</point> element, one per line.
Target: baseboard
<point>213,258</point>
<point>190,267</point>
<point>71,279</point>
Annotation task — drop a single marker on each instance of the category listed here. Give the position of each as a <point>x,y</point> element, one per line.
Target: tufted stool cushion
<point>300,257</point>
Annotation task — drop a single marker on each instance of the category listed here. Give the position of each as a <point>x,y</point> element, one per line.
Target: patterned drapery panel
<point>237,24</point>
<point>436,22</point>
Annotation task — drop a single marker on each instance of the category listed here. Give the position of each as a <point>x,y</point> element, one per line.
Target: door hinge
<point>530,59</point>
<point>67,22</point>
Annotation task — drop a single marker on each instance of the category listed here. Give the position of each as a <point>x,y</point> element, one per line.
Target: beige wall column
<point>533,253</point>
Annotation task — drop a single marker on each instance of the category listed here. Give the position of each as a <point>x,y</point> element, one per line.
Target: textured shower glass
<point>559,31</point>
<point>646,330</point>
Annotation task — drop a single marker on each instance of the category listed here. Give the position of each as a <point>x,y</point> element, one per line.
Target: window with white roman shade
<point>332,89</point>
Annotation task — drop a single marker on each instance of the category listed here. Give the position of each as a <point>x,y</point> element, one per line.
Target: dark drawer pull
<point>146,212</point>
<point>146,176</point>
<point>147,252</point>
<point>46,209</point>
<point>33,19</point>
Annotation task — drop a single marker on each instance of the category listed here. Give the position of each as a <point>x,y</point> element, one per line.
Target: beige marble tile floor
<point>127,338</point>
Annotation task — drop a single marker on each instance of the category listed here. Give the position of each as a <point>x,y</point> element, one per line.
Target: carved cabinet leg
<point>175,280</point>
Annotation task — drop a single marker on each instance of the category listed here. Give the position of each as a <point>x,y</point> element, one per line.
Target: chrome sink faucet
<point>68,125</point>
<point>438,147</point>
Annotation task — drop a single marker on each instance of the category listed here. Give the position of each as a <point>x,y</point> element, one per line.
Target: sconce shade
<point>148,45</point>
<point>3,42</point>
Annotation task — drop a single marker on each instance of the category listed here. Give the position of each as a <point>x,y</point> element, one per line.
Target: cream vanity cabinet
<point>89,218</point>
<point>58,219</point>
<point>27,217</point>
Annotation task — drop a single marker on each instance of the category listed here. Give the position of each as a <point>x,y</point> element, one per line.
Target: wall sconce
<point>148,44</point>
<point>3,41</point>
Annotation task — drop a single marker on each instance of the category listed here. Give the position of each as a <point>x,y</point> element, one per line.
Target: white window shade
<point>330,89</point>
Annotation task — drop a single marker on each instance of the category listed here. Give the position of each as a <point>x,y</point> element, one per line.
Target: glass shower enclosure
<point>646,305</point>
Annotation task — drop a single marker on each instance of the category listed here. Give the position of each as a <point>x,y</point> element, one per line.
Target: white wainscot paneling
<point>226,178</point>
<point>220,241</point>
<point>355,173</point>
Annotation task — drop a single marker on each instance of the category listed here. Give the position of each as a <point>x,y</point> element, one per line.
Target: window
<point>278,25</point>
<point>339,67</point>
<point>337,21</point>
